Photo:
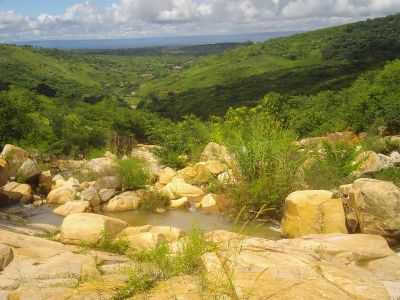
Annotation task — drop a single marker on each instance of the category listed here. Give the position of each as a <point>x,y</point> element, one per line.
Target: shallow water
<point>186,220</point>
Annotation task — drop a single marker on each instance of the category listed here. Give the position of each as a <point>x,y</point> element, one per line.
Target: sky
<point>82,19</point>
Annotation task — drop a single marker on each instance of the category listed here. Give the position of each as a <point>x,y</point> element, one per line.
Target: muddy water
<point>183,219</point>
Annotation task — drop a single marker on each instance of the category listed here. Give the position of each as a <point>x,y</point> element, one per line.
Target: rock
<point>108,182</point>
<point>143,240</point>
<point>227,177</point>
<point>166,175</point>
<point>179,203</point>
<point>107,194</point>
<point>310,268</point>
<point>29,172</point>
<point>18,192</point>
<point>214,151</point>
<point>146,154</point>
<point>209,202</point>
<point>312,212</point>
<point>178,188</point>
<point>170,234</point>
<point>395,158</point>
<point>371,162</point>
<point>375,206</point>
<point>123,202</point>
<point>69,166</point>
<point>215,167</point>
<point>59,181</point>
<point>89,228</point>
<point>92,196</point>
<point>61,195</point>
<point>3,172</point>
<point>6,256</point>
<point>72,207</point>
<point>45,182</point>
<point>102,167</point>
<point>15,157</point>
<point>197,174</point>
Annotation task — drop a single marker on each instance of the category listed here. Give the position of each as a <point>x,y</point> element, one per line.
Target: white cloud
<point>131,18</point>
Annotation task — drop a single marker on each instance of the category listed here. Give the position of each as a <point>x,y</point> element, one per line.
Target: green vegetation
<point>152,200</point>
<point>302,64</point>
<point>161,264</point>
<point>133,173</point>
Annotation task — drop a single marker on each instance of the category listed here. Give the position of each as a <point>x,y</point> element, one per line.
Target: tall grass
<point>133,173</point>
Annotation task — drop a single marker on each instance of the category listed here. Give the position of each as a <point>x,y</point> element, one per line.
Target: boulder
<point>102,167</point>
<point>91,195</point>
<point>179,203</point>
<point>197,174</point>
<point>178,188</point>
<point>106,194</point>
<point>146,154</point>
<point>166,175</point>
<point>72,207</point>
<point>6,256</point>
<point>209,202</point>
<point>18,192</point>
<point>61,195</point>
<point>143,240</point>
<point>29,172</point>
<point>214,151</point>
<point>123,202</point>
<point>313,212</point>
<point>375,206</point>
<point>108,182</point>
<point>15,157</point>
<point>215,167</point>
<point>89,228</point>
<point>371,162</point>
<point>3,172</point>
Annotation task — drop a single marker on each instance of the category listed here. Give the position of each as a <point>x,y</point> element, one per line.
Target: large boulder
<point>72,207</point>
<point>214,151</point>
<point>61,195</point>
<point>146,153</point>
<point>103,166</point>
<point>108,182</point>
<point>3,172</point>
<point>313,212</point>
<point>375,206</point>
<point>370,162</point>
<point>18,192</point>
<point>197,174</point>
<point>123,202</point>
<point>29,172</point>
<point>166,175</point>
<point>89,228</point>
<point>178,188</point>
<point>315,267</point>
<point>15,157</point>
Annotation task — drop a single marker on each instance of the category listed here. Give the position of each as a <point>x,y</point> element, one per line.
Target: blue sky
<point>82,19</point>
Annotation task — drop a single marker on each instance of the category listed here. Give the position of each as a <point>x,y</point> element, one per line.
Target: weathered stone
<point>72,207</point>
<point>102,167</point>
<point>15,157</point>
<point>92,196</point>
<point>18,192</point>
<point>215,167</point>
<point>371,162</point>
<point>146,154</point>
<point>6,256</point>
<point>375,206</point>
<point>61,195</point>
<point>28,172</point>
<point>178,188</point>
<point>197,174</point>
<point>3,172</point>
<point>209,202</point>
<point>214,151</point>
<point>123,202</point>
<point>89,228</point>
<point>166,175</point>
<point>179,203</point>
<point>107,194</point>
<point>312,212</point>
<point>108,182</point>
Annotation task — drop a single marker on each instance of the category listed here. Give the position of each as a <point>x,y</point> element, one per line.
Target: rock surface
<point>29,171</point>
<point>72,207</point>
<point>15,157</point>
<point>6,256</point>
<point>178,188</point>
<point>123,202</point>
<point>18,192</point>
<point>313,212</point>
<point>3,172</point>
<point>89,228</point>
<point>375,206</point>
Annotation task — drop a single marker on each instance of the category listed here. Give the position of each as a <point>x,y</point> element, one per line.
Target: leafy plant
<point>133,173</point>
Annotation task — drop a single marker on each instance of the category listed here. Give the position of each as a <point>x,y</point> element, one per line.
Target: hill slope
<point>301,64</point>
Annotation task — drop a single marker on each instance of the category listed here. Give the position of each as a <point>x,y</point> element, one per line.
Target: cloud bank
<point>139,18</point>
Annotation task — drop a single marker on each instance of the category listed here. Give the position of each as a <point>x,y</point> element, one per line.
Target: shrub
<point>266,154</point>
<point>333,167</point>
<point>133,173</point>
<point>153,200</point>
<point>379,144</point>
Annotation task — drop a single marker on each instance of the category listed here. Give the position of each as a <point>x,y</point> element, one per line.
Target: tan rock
<point>89,228</point>
<point>371,162</point>
<point>102,167</point>
<point>147,154</point>
<point>6,256</point>
<point>143,240</point>
<point>312,212</point>
<point>19,192</point>
<point>108,182</point>
<point>61,195</point>
<point>72,207</point>
<point>3,172</point>
<point>197,174</point>
<point>179,203</point>
<point>29,171</point>
<point>123,202</point>
<point>214,151</point>
<point>166,175</point>
<point>178,188</point>
<point>15,157</point>
<point>209,202</point>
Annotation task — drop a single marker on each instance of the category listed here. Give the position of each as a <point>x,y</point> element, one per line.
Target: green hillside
<point>301,64</point>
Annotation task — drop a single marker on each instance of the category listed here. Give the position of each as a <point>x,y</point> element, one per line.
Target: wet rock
<point>72,207</point>
<point>312,212</point>
<point>89,228</point>
<point>178,188</point>
<point>18,192</point>
<point>123,202</point>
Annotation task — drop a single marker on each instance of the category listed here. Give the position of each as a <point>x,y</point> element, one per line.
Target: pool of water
<point>183,219</point>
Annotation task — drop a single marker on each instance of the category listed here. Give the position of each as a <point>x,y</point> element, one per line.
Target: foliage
<point>133,173</point>
<point>390,174</point>
<point>108,244</point>
<point>152,200</point>
<point>379,144</point>
<point>266,153</point>
<point>187,260</point>
<point>332,166</point>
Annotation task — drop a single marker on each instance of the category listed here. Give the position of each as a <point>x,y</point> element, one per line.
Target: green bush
<point>133,173</point>
<point>267,156</point>
<point>390,174</point>
<point>331,168</point>
<point>379,144</point>
<point>152,200</point>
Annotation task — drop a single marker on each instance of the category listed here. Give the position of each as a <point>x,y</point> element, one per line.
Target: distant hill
<point>300,64</point>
